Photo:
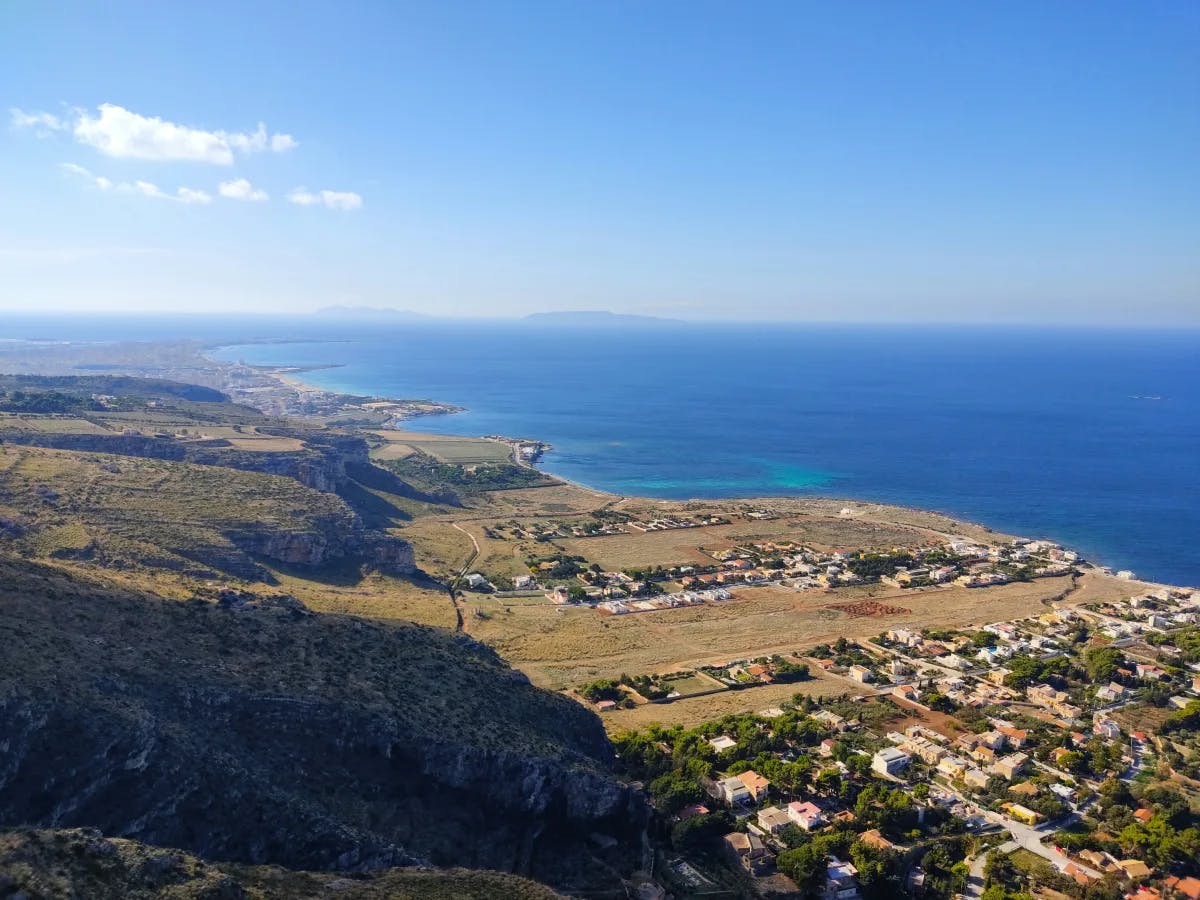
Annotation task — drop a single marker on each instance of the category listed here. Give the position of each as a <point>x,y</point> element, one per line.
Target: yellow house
<point>1022,813</point>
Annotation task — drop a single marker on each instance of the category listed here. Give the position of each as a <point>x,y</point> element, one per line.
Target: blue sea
<point>1089,437</point>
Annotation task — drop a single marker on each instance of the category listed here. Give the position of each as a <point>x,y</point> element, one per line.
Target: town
<point>784,563</point>
<point>1056,754</point>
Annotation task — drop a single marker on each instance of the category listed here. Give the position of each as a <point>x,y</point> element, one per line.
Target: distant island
<point>596,317</point>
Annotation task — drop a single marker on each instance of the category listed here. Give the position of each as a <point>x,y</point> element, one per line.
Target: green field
<point>452,449</point>
<point>695,683</point>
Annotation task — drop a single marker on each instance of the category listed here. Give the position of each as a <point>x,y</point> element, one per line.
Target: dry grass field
<point>562,646</point>
<point>683,545</point>
<point>373,597</point>
<point>692,711</point>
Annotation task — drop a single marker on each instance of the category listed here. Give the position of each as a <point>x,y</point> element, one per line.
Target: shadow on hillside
<point>340,573</point>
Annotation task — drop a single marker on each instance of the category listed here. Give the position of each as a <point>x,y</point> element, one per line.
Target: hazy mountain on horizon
<point>595,317</point>
<point>367,311</point>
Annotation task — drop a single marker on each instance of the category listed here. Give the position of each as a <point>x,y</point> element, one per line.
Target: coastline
<point>290,378</point>
<point>283,390</point>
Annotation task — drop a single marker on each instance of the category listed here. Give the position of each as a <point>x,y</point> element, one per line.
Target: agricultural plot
<point>690,684</point>
<point>451,449</point>
<point>52,425</point>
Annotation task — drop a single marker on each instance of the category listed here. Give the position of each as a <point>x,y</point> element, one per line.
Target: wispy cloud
<point>185,195</point>
<point>241,189</point>
<point>344,200</point>
<point>41,123</point>
<point>123,134</point>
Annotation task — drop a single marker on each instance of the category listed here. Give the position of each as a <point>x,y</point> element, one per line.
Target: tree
<point>874,865</point>
<point>801,865</point>
<point>694,833</point>
<point>1101,663</point>
<point>673,791</point>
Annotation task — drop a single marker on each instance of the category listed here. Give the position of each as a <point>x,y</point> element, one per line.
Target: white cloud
<point>241,189</point>
<point>191,195</point>
<point>344,200</point>
<point>42,123</point>
<point>185,195</point>
<point>123,134</point>
<point>302,197</point>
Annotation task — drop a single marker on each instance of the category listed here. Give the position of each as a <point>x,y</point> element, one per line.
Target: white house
<point>890,761</point>
<point>804,815</point>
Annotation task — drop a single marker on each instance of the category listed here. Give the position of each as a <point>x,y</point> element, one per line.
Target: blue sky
<point>941,161</point>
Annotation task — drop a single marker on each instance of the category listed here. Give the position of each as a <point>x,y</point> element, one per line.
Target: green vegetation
<point>1027,670</point>
<point>1186,640</point>
<point>1101,663</point>
<point>429,473</point>
<point>1186,719</point>
<point>602,689</point>
<point>875,565</point>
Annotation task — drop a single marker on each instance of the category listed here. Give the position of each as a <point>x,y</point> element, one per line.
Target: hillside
<point>72,863</point>
<point>203,521</point>
<point>253,730</point>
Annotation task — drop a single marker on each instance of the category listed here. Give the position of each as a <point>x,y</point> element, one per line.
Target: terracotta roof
<point>1189,887</point>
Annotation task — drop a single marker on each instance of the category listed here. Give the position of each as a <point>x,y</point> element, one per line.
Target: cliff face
<point>268,734</point>
<point>326,541</point>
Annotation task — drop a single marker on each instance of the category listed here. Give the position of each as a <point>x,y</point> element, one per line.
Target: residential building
<point>953,766</point>
<point>1134,869</point>
<point>733,792</point>
<point>1016,737</point>
<point>1010,766</point>
<point>860,674</point>
<point>722,742</point>
<point>890,761</point>
<point>1108,693</point>
<point>976,778</point>
<point>805,815</point>
<point>748,851</point>
<point>772,819</point>
<point>755,784</point>
<point>1021,813</point>
<point>841,881</point>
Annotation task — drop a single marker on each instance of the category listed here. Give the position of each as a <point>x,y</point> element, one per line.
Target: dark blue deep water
<point>1089,437</point>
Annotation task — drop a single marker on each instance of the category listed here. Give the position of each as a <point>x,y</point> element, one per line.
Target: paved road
<point>1026,837</point>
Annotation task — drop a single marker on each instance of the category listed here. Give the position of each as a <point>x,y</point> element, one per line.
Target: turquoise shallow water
<point>1085,436</point>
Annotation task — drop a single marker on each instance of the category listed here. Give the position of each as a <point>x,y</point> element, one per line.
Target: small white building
<point>722,742</point>
<point>890,761</point>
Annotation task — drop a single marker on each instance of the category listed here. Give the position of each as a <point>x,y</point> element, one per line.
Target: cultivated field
<point>51,424</point>
<point>462,451</point>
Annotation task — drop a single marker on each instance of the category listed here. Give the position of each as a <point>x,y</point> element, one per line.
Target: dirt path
<point>462,573</point>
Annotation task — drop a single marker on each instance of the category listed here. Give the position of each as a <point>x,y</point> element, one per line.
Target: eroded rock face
<point>335,539</point>
<point>263,733</point>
